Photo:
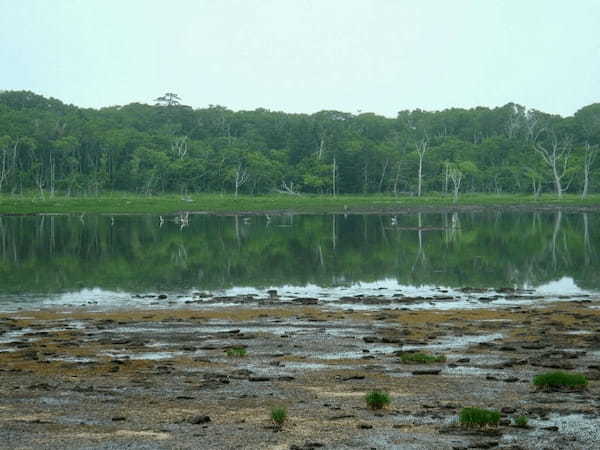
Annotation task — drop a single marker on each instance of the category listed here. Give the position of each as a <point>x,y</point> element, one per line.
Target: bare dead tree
<point>455,175</point>
<point>333,176</point>
<point>6,167</point>
<point>322,136</point>
<point>383,170</point>
<point>532,125</point>
<point>180,146</point>
<point>422,147</point>
<point>590,156</point>
<point>556,156</point>
<point>514,123</point>
<point>397,177</point>
<point>3,168</point>
<point>241,177</point>
<point>288,188</point>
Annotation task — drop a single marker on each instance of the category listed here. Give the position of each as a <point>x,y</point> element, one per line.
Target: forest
<point>51,148</point>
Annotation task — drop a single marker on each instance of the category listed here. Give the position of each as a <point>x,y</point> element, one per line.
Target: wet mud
<point>164,378</point>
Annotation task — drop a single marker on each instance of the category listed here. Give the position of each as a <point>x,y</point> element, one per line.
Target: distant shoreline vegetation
<point>51,148</point>
<point>126,203</point>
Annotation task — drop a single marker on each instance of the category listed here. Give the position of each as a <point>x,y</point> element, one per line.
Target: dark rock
<point>551,363</point>
<point>162,296</point>
<point>259,379</point>
<point>426,372</point>
<point>306,300</point>
<point>353,377</point>
<point>364,426</point>
<point>118,419</point>
<point>241,374</point>
<point>307,446</point>
<point>198,420</point>
<point>42,387</point>
<point>388,340</point>
<point>534,346</point>
<point>340,417</point>
<point>489,444</point>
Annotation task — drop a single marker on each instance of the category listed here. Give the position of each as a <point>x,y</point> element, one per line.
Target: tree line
<point>50,147</point>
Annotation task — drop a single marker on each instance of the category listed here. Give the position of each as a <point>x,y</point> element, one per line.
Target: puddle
<point>152,356</point>
<point>454,342</point>
<point>10,336</point>
<point>73,359</point>
<point>310,366</point>
<point>584,428</point>
<point>467,370</point>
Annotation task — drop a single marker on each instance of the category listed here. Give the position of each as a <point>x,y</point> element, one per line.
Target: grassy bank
<point>217,203</point>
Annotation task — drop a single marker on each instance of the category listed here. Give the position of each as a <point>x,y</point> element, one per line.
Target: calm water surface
<point>103,258</point>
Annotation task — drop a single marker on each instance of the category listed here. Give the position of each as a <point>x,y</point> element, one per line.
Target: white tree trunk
<point>556,156</point>
<point>456,177</point>
<point>241,177</point>
<point>333,176</point>
<point>588,160</point>
<point>421,149</point>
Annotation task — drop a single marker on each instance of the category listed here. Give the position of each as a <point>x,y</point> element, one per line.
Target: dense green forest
<point>50,147</point>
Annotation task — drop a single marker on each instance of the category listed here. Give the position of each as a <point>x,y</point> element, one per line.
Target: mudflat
<point>167,378</point>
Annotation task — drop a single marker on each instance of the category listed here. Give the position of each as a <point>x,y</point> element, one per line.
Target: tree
<point>455,175</point>
<point>169,99</point>
<point>422,146</point>
<point>588,159</point>
<point>555,153</point>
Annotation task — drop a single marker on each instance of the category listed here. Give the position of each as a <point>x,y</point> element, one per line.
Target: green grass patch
<point>521,421</point>
<point>477,417</point>
<point>279,415</point>
<point>377,399</point>
<point>237,352</point>
<point>128,203</point>
<point>559,379</point>
<point>421,358</point>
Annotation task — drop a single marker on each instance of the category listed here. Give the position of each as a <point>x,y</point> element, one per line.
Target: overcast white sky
<point>306,55</point>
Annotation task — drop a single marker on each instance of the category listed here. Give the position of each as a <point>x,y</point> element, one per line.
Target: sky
<point>380,56</point>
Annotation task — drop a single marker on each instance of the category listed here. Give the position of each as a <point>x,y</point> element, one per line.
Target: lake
<point>105,260</point>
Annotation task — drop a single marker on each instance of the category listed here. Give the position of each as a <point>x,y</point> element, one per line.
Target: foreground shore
<point>124,203</point>
<point>162,378</point>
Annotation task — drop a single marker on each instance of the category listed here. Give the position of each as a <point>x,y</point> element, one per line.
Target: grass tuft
<point>279,415</point>
<point>377,399</point>
<point>238,352</point>
<point>521,422</point>
<point>477,417</point>
<point>559,379</point>
<point>421,358</point>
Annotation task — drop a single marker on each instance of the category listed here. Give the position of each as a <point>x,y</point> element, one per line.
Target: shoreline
<point>285,204</point>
